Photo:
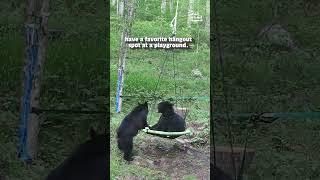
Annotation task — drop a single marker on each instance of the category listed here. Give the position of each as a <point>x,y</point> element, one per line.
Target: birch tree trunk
<point>171,7</point>
<point>190,13</point>
<point>39,8</point>
<point>120,7</point>
<point>128,19</point>
<point>208,15</point>
<point>117,4</point>
<point>113,2</point>
<point>163,6</point>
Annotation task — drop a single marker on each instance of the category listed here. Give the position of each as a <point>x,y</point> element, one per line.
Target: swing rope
<point>171,135</point>
<point>173,25</point>
<point>158,81</point>
<point>174,78</point>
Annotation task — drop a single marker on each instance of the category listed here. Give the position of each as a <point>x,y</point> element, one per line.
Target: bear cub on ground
<point>129,127</point>
<point>87,162</point>
<point>169,120</point>
<point>218,174</point>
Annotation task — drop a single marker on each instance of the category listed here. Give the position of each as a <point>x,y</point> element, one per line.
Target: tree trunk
<point>190,13</point>
<point>163,6</point>
<point>123,51</point>
<point>120,7</point>
<point>208,15</point>
<point>113,2</point>
<point>32,74</point>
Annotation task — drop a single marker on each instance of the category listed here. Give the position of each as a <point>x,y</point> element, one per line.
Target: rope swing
<point>164,134</point>
<point>170,135</point>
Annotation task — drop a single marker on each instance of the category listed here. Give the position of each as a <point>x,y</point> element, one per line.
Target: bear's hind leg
<point>120,143</point>
<point>128,149</point>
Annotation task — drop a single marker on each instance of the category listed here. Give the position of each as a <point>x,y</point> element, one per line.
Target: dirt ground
<point>176,157</point>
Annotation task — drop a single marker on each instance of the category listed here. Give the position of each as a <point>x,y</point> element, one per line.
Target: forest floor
<point>176,158</point>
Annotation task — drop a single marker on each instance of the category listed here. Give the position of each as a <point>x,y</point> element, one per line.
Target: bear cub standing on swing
<point>169,120</point>
<point>129,127</point>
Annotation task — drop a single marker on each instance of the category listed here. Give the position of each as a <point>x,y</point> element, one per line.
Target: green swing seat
<point>170,135</point>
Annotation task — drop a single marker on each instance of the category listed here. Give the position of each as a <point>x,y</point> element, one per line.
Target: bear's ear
<point>93,133</point>
<point>145,104</point>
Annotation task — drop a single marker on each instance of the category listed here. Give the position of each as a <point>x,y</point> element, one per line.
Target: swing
<point>170,135</point>
<point>181,111</point>
<point>163,134</point>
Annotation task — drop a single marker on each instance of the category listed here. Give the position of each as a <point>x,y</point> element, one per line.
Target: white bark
<point>113,2</point>
<point>190,13</point>
<point>163,6</point>
<point>208,15</point>
<point>171,6</point>
<point>123,47</point>
<point>120,7</point>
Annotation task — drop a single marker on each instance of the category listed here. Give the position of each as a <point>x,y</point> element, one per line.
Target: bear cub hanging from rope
<point>129,127</point>
<point>169,120</point>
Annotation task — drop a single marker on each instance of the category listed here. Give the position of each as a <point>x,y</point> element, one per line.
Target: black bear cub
<point>218,174</point>
<point>129,127</point>
<point>87,162</point>
<point>169,120</point>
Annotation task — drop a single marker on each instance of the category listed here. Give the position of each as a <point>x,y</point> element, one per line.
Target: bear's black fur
<point>169,120</point>
<point>129,127</point>
<point>87,162</point>
<point>218,174</point>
